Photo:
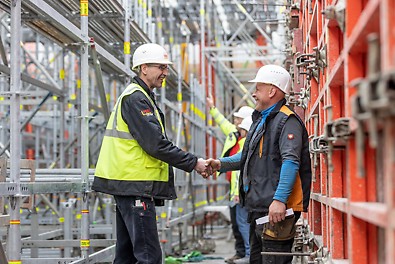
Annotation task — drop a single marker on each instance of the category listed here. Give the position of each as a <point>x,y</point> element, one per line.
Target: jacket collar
<point>257,114</point>
<point>277,108</point>
<point>141,83</point>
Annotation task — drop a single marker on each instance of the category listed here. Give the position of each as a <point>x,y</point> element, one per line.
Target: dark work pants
<point>257,245</point>
<point>239,244</point>
<point>137,234</point>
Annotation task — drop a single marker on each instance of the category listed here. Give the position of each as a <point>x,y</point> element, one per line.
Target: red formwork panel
<point>352,209</point>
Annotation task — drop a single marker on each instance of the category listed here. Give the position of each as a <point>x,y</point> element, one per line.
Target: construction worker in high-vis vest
<point>136,159</point>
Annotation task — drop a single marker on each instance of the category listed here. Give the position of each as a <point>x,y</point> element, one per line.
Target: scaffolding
<point>64,63</point>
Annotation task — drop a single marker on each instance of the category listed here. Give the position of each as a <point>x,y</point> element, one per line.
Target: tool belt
<point>283,230</point>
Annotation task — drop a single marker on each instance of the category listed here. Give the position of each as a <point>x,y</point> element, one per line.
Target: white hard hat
<point>276,75</point>
<point>246,123</point>
<point>244,111</point>
<point>150,53</point>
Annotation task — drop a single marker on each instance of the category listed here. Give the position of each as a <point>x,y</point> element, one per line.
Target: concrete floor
<point>224,246</point>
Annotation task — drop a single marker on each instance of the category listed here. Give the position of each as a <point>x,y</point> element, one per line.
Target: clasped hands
<point>207,167</point>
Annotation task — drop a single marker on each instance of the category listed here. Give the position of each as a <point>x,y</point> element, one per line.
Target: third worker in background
<point>232,145</point>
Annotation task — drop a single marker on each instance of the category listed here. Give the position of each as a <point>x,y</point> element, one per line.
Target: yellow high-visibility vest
<point>234,181</point>
<point>121,157</point>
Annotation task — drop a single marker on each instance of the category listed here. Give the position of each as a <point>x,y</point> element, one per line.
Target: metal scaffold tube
<point>62,111</point>
<point>14,239</point>
<point>85,239</point>
<point>126,40</point>
<point>202,45</point>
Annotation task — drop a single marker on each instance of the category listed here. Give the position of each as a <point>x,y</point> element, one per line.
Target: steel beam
<point>14,238</point>
<point>47,260</point>
<point>47,235</point>
<point>236,48</point>
<point>240,87</point>
<point>66,243</point>
<point>27,120</point>
<point>236,33</point>
<point>240,28</point>
<point>10,188</point>
<point>249,17</point>
<point>269,57</point>
<point>99,81</point>
<point>85,240</point>
<point>68,28</point>
<point>3,258</point>
<point>26,78</point>
<point>98,256</point>
<point>2,52</point>
<point>4,220</point>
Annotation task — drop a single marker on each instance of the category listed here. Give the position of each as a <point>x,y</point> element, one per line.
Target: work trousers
<point>244,227</point>
<point>239,243</point>
<point>137,234</point>
<point>258,245</point>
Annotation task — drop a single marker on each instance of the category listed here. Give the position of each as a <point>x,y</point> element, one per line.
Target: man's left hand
<point>276,212</point>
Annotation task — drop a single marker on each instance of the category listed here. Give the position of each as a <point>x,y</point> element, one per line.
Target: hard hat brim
<point>157,61</point>
<point>243,127</point>
<point>237,115</point>
<point>253,81</point>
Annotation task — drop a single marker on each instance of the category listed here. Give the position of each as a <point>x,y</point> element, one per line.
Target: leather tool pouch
<point>283,230</point>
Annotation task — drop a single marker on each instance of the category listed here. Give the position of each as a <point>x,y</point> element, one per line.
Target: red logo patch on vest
<point>146,112</point>
<point>291,136</point>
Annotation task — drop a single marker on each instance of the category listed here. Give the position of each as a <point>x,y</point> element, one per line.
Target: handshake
<point>207,167</point>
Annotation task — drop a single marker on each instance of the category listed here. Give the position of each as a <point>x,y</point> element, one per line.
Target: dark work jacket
<point>147,131</point>
<point>263,172</point>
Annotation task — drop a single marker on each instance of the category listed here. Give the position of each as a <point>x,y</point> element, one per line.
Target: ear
<point>144,69</point>
<point>273,91</point>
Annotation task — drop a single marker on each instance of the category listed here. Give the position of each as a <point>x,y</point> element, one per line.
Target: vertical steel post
<point>3,87</point>
<point>34,230</point>
<point>14,239</point>
<point>77,155</point>
<point>85,243</point>
<point>47,152</point>
<point>171,21</point>
<point>73,92</point>
<point>179,94</point>
<point>158,12</point>
<point>126,36</point>
<point>139,10</point>
<point>55,113</point>
<point>210,139</point>
<point>161,42</point>
<point>144,15</point>
<point>201,135</point>
<point>62,113</point>
<point>37,146</point>
<point>151,27</point>
<point>107,202</point>
<point>67,207</point>
<point>135,9</point>
<point>202,46</point>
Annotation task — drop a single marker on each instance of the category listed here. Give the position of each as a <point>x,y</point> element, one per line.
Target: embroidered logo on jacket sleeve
<point>146,112</point>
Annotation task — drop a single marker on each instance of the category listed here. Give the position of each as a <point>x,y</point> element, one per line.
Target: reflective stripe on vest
<point>118,134</point>
<point>121,157</point>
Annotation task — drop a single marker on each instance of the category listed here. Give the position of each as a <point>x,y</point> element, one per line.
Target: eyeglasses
<point>161,67</point>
